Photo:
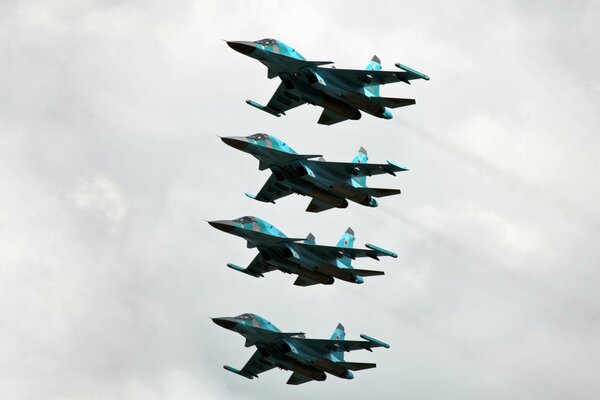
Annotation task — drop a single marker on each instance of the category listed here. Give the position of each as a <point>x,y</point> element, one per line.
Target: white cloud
<point>103,197</point>
<point>110,164</point>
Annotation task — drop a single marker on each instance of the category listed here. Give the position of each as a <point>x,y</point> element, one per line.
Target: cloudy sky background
<point>110,164</point>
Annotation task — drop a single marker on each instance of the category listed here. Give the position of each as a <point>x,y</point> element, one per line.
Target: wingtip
<point>401,167</point>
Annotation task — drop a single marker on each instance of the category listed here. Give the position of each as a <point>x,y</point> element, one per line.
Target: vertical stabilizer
<point>347,240</point>
<point>374,65</point>
<point>310,239</point>
<point>338,334</point>
<point>360,158</point>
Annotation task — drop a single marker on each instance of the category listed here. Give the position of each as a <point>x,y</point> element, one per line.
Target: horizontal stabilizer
<point>365,272</point>
<point>298,379</point>
<point>316,206</point>
<point>392,102</point>
<point>375,192</point>
<point>356,366</point>
<point>302,281</point>
<point>329,117</point>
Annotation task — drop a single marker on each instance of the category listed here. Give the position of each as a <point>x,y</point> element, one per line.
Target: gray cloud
<point>110,165</point>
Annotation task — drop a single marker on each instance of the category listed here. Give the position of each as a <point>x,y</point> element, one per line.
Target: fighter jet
<point>343,93</point>
<point>330,184</point>
<point>312,263</point>
<point>309,359</point>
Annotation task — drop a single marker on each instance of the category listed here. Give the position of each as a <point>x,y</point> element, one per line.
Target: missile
<point>263,108</point>
<point>240,373</point>
<point>244,270</point>
<point>408,69</point>
<point>374,341</point>
<point>381,250</point>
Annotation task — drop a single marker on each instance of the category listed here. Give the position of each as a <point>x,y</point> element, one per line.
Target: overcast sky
<point>110,163</point>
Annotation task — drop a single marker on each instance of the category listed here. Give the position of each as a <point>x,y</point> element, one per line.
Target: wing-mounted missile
<point>374,342</point>
<point>263,108</point>
<point>414,72</point>
<point>381,251</point>
<point>253,197</point>
<point>244,270</point>
<point>240,373</point>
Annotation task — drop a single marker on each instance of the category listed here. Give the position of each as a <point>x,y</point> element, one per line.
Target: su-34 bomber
<point>330,184</point>
<point>343,93</point>
<point>309,359</point>
<point>313,263</point>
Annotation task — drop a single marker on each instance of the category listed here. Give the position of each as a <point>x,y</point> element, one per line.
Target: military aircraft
<point>343,93</point>
<point>309,359</point>
<point>312,263</point>
<point>330,184</point>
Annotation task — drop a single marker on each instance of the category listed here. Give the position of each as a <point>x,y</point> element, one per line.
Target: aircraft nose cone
<point>242,47</point>
<point>226,323</point>
<point>225,226</point>
<point>237,142</point>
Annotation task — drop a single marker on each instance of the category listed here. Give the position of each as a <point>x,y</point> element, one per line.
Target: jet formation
<point>309,359</point>
<point>343,93</point>
<point>314,264</point>
<point>330,184</point>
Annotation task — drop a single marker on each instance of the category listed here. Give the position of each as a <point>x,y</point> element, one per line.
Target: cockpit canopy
<point>266,42</point>
<point>259,136</point>
<point>246,317</point>
<point>245,220</point>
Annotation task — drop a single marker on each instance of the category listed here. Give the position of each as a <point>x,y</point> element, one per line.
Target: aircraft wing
<point>257,267</point>
<point>255,365</point>
<point>350,252</point>
<point>271,191</point>
<point>367,77</point>
<point>357,169</point>
<point>284,100</point>
<point>327,346</point>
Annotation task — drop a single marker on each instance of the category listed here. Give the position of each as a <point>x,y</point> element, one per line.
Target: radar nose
<point>237,142</point>
<point>225,226</point>
<point>226,323</point>
<point>242,47</point>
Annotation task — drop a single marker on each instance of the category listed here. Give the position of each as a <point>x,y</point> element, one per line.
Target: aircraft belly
<point>307,363</point>
<point>326,97</point>
<point>301,269</point>
<point>307,188</point>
